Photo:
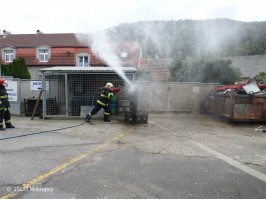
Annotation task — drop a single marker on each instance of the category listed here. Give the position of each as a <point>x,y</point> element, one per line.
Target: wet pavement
<point>173,156</point>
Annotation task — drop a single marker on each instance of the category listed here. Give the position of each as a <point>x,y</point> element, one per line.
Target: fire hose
<point>35,133</point>
<point>116,90</point>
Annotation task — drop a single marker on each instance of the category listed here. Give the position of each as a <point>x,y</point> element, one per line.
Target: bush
<point>205,70</point>
<point>143,75</point>
<point>17,69</point>
<point>260,76</point>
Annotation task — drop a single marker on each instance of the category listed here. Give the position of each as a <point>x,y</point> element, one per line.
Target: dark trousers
<point>5,115</point>
<point>97,107</point>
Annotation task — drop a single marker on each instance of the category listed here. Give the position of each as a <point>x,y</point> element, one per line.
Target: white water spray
<point>102,48</point>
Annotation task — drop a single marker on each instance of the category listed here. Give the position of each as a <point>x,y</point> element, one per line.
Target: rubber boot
<point>2,128</point>
<point>88,117</point>
<point>106,118</point>
<point>9,125</point>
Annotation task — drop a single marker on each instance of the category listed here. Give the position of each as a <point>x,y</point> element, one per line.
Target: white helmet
<point>109,85</point>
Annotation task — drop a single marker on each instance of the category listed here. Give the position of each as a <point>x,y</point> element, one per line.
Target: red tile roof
<point>61,44</point>
<point>158,68</point>
<point>134,53</point>
<point>35,40</point>
<point>59,56</point>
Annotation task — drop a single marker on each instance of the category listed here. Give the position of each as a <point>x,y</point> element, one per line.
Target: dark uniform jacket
<point>4,103</point>
<point>105,97</point>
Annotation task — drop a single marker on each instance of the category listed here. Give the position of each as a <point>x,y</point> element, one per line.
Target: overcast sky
<point>86,16</point>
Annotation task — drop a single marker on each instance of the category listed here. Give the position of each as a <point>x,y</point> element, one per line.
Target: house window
<point>43,55</point>
<point>123,54</point>
<point>9,55</point>
<point>83,61</point>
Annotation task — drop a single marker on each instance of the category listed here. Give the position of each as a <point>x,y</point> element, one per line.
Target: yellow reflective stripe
<point>98,101</point>
<point>1,123</point>
<point>106,113</point>
<point>0,102</point>
<point>3,97</point>
<point>110,95</point>
<point>102,95</point>
<point>5,109</point>
<point>8,121</point>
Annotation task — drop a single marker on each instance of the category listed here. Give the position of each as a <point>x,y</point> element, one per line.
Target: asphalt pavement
<point>173,156</point>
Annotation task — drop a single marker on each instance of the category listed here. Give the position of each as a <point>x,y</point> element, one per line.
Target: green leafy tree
<point>220,71</point>
<point>176,67</point>
<point>143,75</point>
<point>260,76</point>
<point>205,70</point>
<point>194,38</point>
<point>17,69</point>
<point>4,70</point>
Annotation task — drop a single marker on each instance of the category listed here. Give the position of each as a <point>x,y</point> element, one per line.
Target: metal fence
<point>65,94</point>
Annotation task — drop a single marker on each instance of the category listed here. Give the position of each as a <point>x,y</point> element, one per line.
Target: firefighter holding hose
<point>103,102</point>
<point>4,106</point>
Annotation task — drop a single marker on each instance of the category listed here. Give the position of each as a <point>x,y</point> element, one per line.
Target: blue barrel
<point>113,105</point>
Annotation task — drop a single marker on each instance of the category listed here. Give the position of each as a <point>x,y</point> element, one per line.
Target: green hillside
<point>219,37</point>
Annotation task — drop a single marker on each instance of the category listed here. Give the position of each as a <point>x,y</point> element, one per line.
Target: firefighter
<point>103,102</point>
<point>4,106</point>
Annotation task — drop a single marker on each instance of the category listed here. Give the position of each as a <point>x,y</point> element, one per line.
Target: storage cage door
<point>55,95</point>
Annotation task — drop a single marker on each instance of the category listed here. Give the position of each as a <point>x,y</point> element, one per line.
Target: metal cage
<point>67,89</point>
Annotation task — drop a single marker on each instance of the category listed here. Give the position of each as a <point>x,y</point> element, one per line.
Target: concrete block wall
<point>172,96</point>
<point>27,93</point>
<point>154,96</point>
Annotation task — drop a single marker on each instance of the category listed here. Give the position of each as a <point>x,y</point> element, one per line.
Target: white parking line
<point>232,162</point>
<point>219,155</point>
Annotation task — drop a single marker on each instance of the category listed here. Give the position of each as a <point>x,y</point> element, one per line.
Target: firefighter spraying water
<point>103,102</point>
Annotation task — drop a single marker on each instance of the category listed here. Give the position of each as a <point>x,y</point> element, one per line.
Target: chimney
<point>6,32</point>
<point>39,32</point>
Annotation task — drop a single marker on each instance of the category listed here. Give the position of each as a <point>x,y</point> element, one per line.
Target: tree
<point>143,75</point>
<point>205,70</point>
<point>17,69</point>
<point>219,37</point>
<point>176,67</point>
<point>260,76</point>
<point>6,70</point>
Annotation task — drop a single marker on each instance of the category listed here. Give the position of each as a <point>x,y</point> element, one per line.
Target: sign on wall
<point>37,85</point>
<point>12,90</point>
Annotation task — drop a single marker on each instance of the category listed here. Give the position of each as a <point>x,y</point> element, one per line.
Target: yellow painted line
<point>213,123</point>
<point>53,171</point>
